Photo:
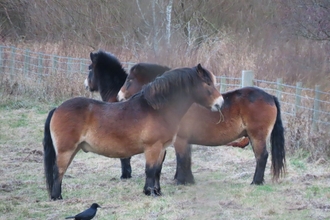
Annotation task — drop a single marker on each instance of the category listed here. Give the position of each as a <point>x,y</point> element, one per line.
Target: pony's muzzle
<point>121,96</point>
<point>217,104</point>
<point>86,84</point>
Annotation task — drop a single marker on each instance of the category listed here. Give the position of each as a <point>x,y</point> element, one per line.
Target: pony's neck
<point>110,86</point>
<point>177,107</point>
<point>109,94</point>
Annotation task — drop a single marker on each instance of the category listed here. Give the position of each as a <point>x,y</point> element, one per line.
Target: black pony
<point>107,76</point>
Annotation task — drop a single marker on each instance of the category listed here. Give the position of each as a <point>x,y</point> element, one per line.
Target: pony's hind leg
<point>63,161</point>
<point>56,193</point>
<point>261,155</point>
<point>183,173</point>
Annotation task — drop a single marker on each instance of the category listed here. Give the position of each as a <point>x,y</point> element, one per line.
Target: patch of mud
<point>28,155</point>
<point>10,186</point>
<point>230,205</point>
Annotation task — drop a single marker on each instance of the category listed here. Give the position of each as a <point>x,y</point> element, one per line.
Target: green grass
<point>222,190</point>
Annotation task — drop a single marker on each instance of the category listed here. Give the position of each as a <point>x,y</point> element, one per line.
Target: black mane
<point>108,73</point>
<point>158,92</point>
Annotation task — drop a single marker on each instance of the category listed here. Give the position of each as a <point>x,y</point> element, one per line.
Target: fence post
<point>40,67</point>
<point>26,62</point>
<point>223,85</point>
<point>1,58</point>
<point>279,85</point>
<point>298,98</point>
<point>12,62</point>
<point>55,62</point>
<point>129,66</point>
<point>316,107</point>
<point>247,78</point>
<point>69,66</point>
<point>82,70</point>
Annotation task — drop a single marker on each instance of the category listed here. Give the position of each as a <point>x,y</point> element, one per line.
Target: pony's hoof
<point>257,183</point>
<point>152,192</point>
<point>126,176</point>
<point>157,192</point>
<point>185,181</point>
<point>148,191</point>
<point>57,198</point>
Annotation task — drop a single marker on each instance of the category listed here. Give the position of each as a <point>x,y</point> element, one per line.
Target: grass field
<point>222,174</point>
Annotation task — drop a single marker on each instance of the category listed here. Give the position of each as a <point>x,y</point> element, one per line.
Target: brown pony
<point>146,123</point>
<point>107,76</point>
<point>247,112</point>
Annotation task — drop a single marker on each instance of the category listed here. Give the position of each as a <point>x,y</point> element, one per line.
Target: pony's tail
<point>49,155</point>
<point>277,142</point>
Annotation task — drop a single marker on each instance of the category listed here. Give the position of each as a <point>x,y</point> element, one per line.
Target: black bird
<point>88,214</point>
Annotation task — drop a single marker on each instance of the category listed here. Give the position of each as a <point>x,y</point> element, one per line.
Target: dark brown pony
<point>146,123</point>
<point>107,76</point>
<point>247,112</point>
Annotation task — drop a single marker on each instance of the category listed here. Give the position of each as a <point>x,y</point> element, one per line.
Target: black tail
<point>49,155</point>
<point>277,143</point>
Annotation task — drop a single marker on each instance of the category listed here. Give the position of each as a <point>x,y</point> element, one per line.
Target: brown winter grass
<point>223,174</point>
<point>222,189</point>
<point>226,57</point>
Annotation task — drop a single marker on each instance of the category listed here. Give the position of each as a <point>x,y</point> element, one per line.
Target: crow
<point>87,214</point>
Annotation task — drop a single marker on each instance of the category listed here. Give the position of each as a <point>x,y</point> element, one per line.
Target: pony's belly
<point>111,150</point>
<point>217,136</point>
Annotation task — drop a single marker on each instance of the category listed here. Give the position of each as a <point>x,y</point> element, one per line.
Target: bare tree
<point>307,18</point>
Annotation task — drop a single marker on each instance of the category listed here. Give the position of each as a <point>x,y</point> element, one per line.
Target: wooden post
<point>1,59</point>
<point>12,62</point>
<point>82,69</point>
<point>55,62</point>
<point>26,62</point>
<point>69,67</point>
<point>298,98</point>
<point>247,78</point>
<point>40,67</point>
<point>223,85</point>
<point>316,107</point>
<point>279,83</point>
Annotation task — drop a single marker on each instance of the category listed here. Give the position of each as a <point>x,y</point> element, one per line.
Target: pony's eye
<point>128,83</point>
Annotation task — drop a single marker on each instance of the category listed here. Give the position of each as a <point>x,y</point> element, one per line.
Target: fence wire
<point>34,67</point>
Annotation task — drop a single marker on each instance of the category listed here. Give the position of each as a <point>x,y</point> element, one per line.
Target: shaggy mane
<point>159,92</point>
<point>108,73</point>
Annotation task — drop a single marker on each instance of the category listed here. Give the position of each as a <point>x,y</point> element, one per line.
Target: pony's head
<point>106,75</point>
<point>139,75</point>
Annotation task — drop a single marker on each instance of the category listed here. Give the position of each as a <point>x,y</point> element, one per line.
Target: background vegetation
<point>280,38</point>
<point>274,38</point>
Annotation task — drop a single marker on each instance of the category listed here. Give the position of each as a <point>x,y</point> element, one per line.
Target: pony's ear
<point>201,71</point>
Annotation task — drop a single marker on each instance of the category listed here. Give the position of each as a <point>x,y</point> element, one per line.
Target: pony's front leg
<point>183,173</point>
<point>154,159</point>
<point>126,169</point>
<point>157,189</point>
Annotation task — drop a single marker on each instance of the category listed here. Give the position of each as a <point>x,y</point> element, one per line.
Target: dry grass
<point>228,56</point>
<point>222,189</point>
<point>223,174</point>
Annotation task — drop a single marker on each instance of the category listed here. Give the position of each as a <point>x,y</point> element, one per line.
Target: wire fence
<point>34,68</point>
